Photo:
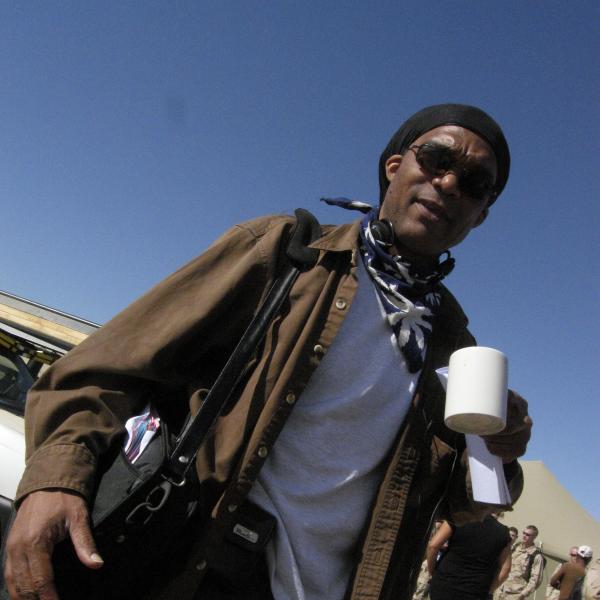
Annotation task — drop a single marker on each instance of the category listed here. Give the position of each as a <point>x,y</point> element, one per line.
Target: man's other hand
<point>45,518</point>
<point>511,442</point>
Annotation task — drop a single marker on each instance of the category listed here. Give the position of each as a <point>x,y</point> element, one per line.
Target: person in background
<point>514,534</point>
<point>476,562</point>
<point>424,579</point>
<point>552,592</point>
<point>591,584</point>
<point>527,568</point>
<point>569,578</point>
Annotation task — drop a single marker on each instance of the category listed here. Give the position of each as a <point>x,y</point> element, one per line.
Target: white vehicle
<point>32,336</point>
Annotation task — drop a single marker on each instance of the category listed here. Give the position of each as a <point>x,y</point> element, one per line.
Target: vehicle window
<point>15,380</point>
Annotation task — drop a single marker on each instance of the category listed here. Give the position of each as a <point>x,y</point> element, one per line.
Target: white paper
<point>487,474</point>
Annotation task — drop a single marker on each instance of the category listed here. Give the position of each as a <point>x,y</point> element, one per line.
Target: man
<point>591,585</point>
<point>569,578</point>
<point>423,580</point>
<point>527,568</point>
<point>363,462</point>
<point>514,534</point>
<point>552,593</point>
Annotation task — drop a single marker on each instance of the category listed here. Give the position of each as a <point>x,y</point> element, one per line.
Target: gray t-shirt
<point>325,468</point>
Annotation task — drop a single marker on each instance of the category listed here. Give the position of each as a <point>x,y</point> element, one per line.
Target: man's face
<point>513,535</point>
<point>573,554</point>
<point>429,211</point>
<point>528,537</point>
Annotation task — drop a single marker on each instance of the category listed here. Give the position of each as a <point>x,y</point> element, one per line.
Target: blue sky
<point>134,133</point>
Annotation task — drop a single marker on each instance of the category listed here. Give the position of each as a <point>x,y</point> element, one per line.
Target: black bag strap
<point>306,231</point>
<point>530,559</point>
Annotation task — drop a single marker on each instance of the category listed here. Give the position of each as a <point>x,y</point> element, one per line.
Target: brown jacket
<point>171,343</point>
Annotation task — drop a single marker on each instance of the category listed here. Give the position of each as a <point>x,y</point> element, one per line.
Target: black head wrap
<point>469,117</point>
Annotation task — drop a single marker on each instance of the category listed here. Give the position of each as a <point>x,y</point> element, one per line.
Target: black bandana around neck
<point>410,300</point>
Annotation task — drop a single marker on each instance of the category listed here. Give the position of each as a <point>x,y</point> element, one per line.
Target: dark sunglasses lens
<point>476,183</point>
<point>435,158</point>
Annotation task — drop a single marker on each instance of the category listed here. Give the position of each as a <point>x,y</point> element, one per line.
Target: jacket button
<point>290,398</point>
<point>340,303</point>
<point>232,508</point>
<point>318,349</point>
<point>201,565</point>
<point>263,451</point>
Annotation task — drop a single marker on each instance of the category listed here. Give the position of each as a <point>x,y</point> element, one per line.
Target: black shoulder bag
<point>141,510</point>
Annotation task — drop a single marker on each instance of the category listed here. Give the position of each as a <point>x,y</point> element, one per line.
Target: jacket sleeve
<point>168,344</point>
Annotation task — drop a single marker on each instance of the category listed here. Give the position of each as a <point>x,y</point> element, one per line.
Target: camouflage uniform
<point>516,587</point>
<point>591,586</point>
<point>422,589</point>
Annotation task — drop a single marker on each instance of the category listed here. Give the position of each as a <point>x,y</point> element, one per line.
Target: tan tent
<point>561,520</point>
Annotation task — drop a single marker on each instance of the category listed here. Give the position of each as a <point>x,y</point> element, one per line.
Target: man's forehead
<point>462,139</point>
<point>455,134</point>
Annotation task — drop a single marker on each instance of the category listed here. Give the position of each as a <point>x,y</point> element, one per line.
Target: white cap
<point>584,551</point>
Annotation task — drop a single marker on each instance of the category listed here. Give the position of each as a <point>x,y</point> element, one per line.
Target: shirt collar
<point>344,238</point>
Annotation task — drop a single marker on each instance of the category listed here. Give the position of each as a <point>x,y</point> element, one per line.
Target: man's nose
<point>447,183</point>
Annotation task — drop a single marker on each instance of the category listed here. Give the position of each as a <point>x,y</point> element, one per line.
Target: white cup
<point>476,391</point>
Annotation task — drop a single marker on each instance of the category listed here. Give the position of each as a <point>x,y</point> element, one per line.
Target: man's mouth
<point>432,209</point>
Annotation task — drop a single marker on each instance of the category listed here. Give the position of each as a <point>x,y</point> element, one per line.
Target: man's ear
<point>391,165</point>
<point>481,217</point>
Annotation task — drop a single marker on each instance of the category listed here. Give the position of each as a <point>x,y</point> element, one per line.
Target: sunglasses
<point>438,159</point>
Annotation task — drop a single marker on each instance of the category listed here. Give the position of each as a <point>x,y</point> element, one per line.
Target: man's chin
<point>420,243</point>
<point>419,251</point>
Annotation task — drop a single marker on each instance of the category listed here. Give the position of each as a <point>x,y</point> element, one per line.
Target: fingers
<point>508,450</point>
<point>510,445</point>
<point>29,576</point>
<point>44,519</point>
<point>16,569</point>
<point>82,538</point>
<point>517,406</point>
<point>512,441</point>
<point>42,575</point>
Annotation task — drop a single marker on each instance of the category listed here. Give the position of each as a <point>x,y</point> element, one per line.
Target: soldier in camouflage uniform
<point>591,586</point>
<point>518,586</point>
<point>422,589</point>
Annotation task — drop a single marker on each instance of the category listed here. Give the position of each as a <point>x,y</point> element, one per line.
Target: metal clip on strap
<point>155,500</point>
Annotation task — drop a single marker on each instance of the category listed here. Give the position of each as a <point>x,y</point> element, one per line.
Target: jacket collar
<point>338,238</point>
<point>344,238</point>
